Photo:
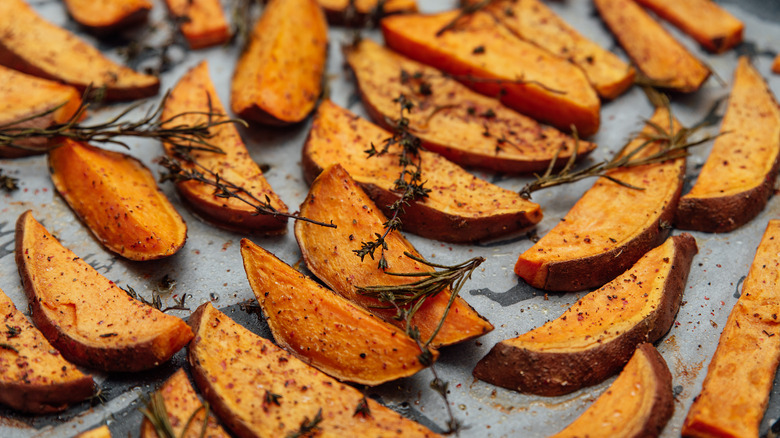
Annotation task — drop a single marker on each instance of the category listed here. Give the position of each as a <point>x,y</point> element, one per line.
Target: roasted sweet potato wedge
<point>104,16</point>
<point>278,78</point>
<point>195,94</point>
<point>706,22</point>
<point>460,207</point>
<point>23,96</point>
<point>611,226</point>
<point>736,390</point>
<point>597,336</point>
<point>639,402</point>
<point>203,22</point>
<point>186,413</point>
<point>776,65</point>
<point>34,377</point>
<point>33,45</point>
<point>86,316</point>
<point>116,196</point>
<point>328,253</point>
<point>98,432</point>
<point>335,336</point>
<point>663,60</point>
<point>738,177</point>
<point>258,389</point>
<point>337,11</point>
<point>490,59</point>
<point>465,127</point>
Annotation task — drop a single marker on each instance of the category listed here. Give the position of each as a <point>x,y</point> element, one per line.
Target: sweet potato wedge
<point>776,65</point>
<point>105,16</point>
<point>98,432</point>
<point>34,378</point>
<point>639,402</point>
<point>335,336</point>
<point>738,177</point>
<point>182,405</point>
<point>739,378</point>
<point>663,60</point>
<point>463,126</point>
<point>86,316</point>
<point>195,93</point>
<point>328,253</point>
<point>116,196</point>
<point>30,44</point>
<point>203,22</point>
<point>611,226</point>
<point>533,21</point>
<point>278,78</point>
<point>336,11</point>
<point>460,207</point>
<point>706,22</point>
<point>594,338</point>
<point>23,96</point>
<point>492,61</point>
<point>258,389</point>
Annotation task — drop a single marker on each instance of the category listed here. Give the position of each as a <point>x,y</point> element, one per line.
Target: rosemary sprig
<point>466,10</point>
<point>307,427</point>
<point>155,411</point>
<point>13,331</point>
<point>8,184</point>
<point>242,17</point>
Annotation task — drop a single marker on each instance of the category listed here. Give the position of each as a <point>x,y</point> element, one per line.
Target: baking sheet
<point>209,267</point>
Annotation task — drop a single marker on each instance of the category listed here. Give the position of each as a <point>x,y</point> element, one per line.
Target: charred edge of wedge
<point>553,373</point>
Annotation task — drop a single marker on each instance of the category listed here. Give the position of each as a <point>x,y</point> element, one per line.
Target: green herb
<point>10,347</point>
<point>155,411</point>
<point>109,335</point>
<point>307,427</point>
<point>465,11</point>
<point>362,408</point>
<point>8,183</point>
<point>271,399</point>
<point>13,331</point>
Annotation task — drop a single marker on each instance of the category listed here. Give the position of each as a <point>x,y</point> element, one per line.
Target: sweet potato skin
<point>336,10</point>
<point>109,332</point>
<point>204,22</point>
<point>528,364</point>
<point>278,78</point>
<point>105,16</point>
<point>738,177</point>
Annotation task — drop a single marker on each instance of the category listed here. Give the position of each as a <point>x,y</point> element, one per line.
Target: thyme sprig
<point>8,184</point>
<point>307,427</point>
<point>465,11</point>
<point>155,411</point>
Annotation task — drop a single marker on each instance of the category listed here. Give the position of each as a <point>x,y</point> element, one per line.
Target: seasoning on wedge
<point>116,196</point>
<point>736,390</point>
<point>460,206</point>
<point>258,389</point>
<point>611,226</point>
<point>190,102</point>
<point>739,176</point>
<point>533,21</point>
<point>463,126</point>
<point>706,22</point>
<point>186,413</point>
<point>34,378</point>
<point>329,254</point>
<point>324,329</point>
<point>33,45</point>
<point>491,60</point>
<point>23,96</point>
<point>98,432</point>
<point>663,60</point>
<point>337,11</point>
<point>639,402</point>
<point>278,78</point>
<point>594,338</point>
<point>202,22</point>
<point>105,16</point>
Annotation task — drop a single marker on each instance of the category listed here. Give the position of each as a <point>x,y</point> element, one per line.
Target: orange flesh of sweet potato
<point>84,315</point>
<point>234,368</point>
<point>35,378</point>
<point>463,126</point>
<point>195,93</point>
<point>654,51</point>
<point>739,378</point>
<point>776,65</point>
<point>328,253</point>
<point>460,207</point>
<point>22,96</point>
<point>104,16</point>
<point>611,226</point>
<point>551,90</point>
<point>99,432</point>
<point>533,21</point>
<point>639,402</point>
<point>324,329</point>
<point>336,10</point>
<point>33,45</point>
<point>278,78</point>
<point>116,196</point>
<point>594,338</point>
<point>181,403</point>
<point>706,22</point>
<point>738,177</point>
<point>204,23</point>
